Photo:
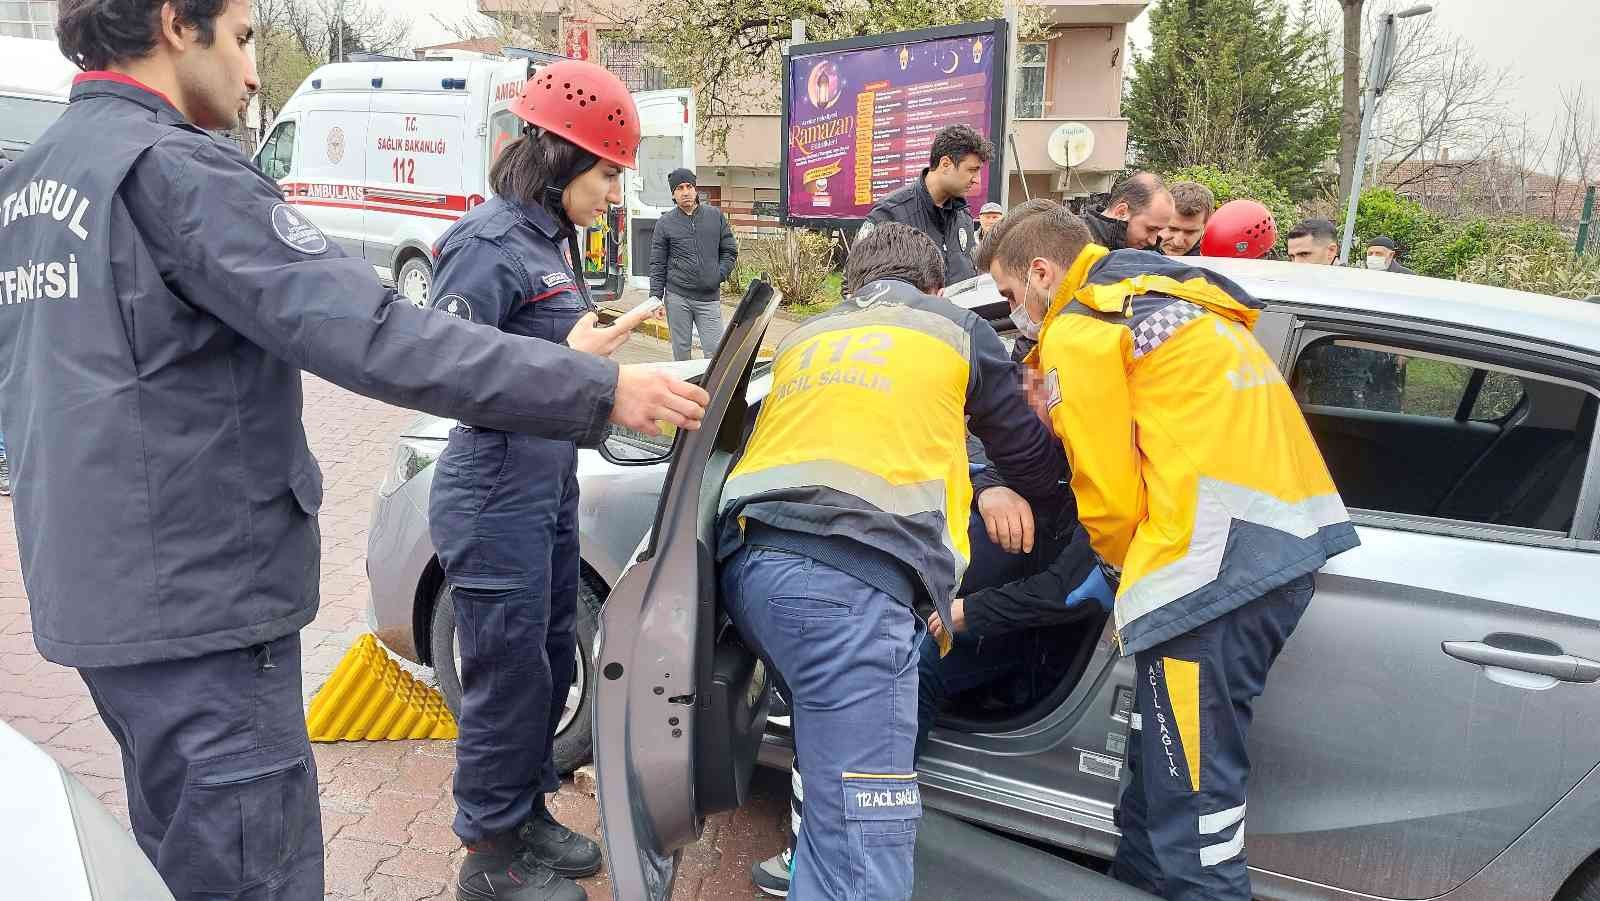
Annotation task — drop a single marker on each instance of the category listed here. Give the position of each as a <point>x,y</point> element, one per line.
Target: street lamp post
<point>1378,72</point>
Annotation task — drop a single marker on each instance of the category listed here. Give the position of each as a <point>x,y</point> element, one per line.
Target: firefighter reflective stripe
<point>1212,823</point>
<point>900,500</point>
<point>1218,505</point>
<point>1183,694</point>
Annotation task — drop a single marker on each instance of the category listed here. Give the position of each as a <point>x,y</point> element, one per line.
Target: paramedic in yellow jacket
<point>844,526</point>
<point>1200,486</point>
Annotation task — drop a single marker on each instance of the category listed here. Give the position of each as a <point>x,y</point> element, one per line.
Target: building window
<point>630,61</point>
<point>1030,81</point>
<point>28,18</point>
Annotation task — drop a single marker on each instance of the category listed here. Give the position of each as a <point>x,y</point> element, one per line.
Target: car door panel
<point>680,706</point>
<point>1383,765</point>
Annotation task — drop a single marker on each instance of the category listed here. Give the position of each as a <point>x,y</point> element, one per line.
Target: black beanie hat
<point>680,177</point>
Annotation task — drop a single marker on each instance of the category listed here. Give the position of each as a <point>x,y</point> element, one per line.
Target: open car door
<point>681,703</point>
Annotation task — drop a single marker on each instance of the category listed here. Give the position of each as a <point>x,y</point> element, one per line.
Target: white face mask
<point>1023,320</point>
<point>1377,261</point>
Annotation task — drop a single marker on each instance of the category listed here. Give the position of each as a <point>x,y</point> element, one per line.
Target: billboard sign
<point>860,115</point>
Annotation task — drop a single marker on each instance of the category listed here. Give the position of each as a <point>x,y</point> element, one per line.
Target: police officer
<point>160,299</point>
<point>505,506</point>
<point>845,517</point>
<point>936,202</point>
<point>1200,485</point>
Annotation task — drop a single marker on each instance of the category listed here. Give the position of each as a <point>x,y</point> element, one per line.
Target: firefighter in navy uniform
<point>504,507</point>
<point>846,518</point>
<point>159,300</point>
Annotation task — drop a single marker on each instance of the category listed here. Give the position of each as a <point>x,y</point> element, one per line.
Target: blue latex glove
<point>1093,587</point>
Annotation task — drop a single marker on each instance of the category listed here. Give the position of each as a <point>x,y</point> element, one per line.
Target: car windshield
<point>24,119</point>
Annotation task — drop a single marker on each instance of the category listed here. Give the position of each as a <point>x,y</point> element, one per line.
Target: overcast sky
<point>1547,44</point>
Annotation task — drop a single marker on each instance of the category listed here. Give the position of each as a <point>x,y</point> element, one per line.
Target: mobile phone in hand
<point>640,313</point>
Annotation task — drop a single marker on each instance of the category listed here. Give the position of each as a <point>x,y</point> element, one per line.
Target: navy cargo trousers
<point>847,654</point>
<point>1183,813</point>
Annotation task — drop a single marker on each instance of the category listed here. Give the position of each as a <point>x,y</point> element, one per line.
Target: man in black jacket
<point>1139,208</point>
<point>692,254</point>
<point>936,202</point>
<point>1383,254</point>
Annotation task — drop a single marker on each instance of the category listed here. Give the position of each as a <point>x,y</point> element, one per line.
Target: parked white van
<point>35,80</point>
<point>384,156</point>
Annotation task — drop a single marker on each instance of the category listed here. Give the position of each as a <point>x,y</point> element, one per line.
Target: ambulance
<point>383,156</point>
<point>35,80</point>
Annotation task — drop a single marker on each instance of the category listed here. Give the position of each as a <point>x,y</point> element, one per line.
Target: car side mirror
<point>626,447</point>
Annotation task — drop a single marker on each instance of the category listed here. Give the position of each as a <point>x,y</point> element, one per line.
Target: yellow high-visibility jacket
<point>859,453</point>
<point>1195,473</point>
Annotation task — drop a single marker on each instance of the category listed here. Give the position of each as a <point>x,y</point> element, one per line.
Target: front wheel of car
<point>573,741</point>
<point>1584,885</point>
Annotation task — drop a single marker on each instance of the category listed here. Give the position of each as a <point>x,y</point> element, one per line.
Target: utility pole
<point>1013,13</point>
<point>1378,72</point>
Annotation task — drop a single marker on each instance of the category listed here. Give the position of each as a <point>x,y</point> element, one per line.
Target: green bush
<point>1383,212</point>
<point>1230,185</point>
<point>798,262</point>
<point>1555,271</point>
<point>1456,244</point>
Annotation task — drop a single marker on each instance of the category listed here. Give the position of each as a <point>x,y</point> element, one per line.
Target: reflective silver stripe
<point>1211,855</point>
<point>796,786</point>
<point>899,500</point>
<point>884,313</point>
<point>1136,722</point>
<point>1212,823</point>
<point>794,823</point>
<point>1217,505</point>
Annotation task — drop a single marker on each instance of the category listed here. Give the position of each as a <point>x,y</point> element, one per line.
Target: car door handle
<point>1565,667</point>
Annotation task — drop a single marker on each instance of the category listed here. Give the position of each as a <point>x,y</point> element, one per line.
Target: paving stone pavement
<point>386,806</point>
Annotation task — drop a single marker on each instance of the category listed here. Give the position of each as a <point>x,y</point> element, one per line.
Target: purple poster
<point>861,122</point>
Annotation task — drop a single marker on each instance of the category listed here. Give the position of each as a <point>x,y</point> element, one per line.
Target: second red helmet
<point>585,104</point>
<point>1240,228</point>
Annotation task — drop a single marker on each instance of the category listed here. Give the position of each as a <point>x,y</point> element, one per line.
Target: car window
<point>658,156</point>
<point>24,119</point>
<point>1498,398</point>
<point>505,127</point>
<point>276,158</point>
<point>1432,435</point>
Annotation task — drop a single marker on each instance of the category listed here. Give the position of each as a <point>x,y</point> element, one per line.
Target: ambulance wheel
<point>415,280</point>
<point>573,742</point>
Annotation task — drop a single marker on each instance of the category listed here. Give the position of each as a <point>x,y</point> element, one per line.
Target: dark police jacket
<point>158,300</point>
<point>950,226</point>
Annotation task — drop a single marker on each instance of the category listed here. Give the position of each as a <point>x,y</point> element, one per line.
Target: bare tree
<point>1443,99</point>
<point>532,24</point>
<point>1520,150</point>
<point>1575,152</point>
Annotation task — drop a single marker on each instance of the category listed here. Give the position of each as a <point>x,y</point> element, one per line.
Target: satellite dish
<point>1070,144</point>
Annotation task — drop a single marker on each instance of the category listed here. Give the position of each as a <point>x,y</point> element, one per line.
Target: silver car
<point>1429,731</point>
<point>618,499</point>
